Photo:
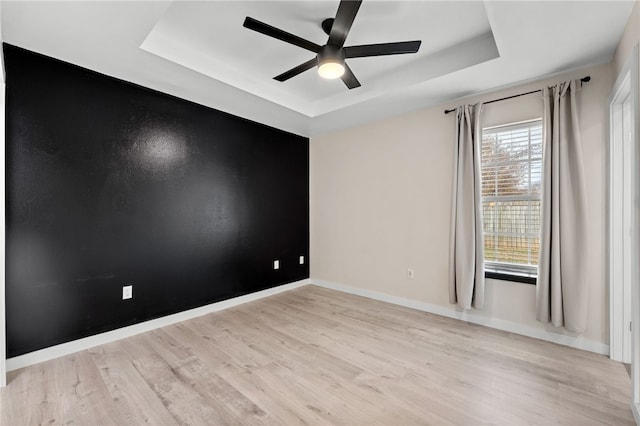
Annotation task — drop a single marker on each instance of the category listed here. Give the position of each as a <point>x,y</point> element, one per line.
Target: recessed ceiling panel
<point>208,37</point>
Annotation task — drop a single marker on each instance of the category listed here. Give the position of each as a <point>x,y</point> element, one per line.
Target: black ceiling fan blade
<point>349,78</point>
<point>382,49</point>
<point>266,29</point>
<point>297,70</point>
<point>347,11</point>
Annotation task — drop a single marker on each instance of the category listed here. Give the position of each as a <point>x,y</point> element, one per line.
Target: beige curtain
<point>563,284</point>
<point>466,245</point>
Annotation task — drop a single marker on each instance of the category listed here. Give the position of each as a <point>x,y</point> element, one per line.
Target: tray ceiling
<point>200,51</point>
<point>210,39</point>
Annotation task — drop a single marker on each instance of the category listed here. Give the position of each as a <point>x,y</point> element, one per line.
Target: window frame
<point>503,276</point>
<point>520,273</point>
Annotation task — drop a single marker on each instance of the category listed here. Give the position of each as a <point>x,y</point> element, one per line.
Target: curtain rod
<point>582,80</point>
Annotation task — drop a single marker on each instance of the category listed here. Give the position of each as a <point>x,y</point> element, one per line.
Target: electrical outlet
<point>410,273</point>
<point>127,292</point>
<point>276,264</point>
<point>302,260</point>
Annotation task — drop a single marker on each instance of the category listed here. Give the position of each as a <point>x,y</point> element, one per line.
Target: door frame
<point>622,133</point>
<point>3,297</point>
<point>623,224</point>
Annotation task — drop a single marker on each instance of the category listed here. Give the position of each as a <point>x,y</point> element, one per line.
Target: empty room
<point>326,212</point>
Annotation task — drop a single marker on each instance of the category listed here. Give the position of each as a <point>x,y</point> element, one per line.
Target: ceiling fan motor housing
<point>329,53</point>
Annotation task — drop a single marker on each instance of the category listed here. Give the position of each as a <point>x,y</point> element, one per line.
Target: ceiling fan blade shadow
<point>266,29</point>
<point>297,70</point>
<point>349,78</point>
<point>347,11</point>
<point>382,49</point>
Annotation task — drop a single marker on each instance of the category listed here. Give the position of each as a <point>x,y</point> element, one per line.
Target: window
<point>511,186</point>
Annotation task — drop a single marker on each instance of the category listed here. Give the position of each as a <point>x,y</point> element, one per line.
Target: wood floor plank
<point>317,356</point>
<point>183,402</point>
<point>43,405</point>
<point>232,406</point>
<point>81,392</point>
<point>134,399</point>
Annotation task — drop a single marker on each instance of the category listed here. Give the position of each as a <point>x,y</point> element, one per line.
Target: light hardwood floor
<point>317,356</point>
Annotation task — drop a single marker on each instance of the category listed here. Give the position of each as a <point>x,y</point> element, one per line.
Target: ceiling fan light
<point>331,62</point>
<point>331,69</point>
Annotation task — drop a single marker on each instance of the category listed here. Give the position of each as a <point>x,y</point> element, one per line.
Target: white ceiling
<point>200,51</point>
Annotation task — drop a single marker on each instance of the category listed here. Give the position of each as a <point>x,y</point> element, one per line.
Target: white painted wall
<point>628,41</point>
<point>380,203</point>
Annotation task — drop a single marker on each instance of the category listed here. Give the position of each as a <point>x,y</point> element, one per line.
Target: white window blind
<point>511,185</point>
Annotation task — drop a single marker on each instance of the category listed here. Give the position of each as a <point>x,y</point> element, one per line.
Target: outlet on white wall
<point>410,273</point>
<point>276,264</point>
<point>127,292</point>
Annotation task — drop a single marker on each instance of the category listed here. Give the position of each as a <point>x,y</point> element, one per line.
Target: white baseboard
<point>121,333</point>
<point>512,327</point>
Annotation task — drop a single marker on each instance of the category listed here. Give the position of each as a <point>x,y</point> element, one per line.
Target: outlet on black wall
<point>110,184</point>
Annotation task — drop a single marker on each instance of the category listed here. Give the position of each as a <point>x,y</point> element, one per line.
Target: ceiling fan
<point>330,58</point>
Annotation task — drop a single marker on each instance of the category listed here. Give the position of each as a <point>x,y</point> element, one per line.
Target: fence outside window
<point>511,187</point>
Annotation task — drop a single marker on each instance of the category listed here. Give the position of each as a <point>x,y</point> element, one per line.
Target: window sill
<point>510,277</point>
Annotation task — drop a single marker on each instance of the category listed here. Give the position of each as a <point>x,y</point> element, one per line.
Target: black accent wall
<point>110,184</point>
